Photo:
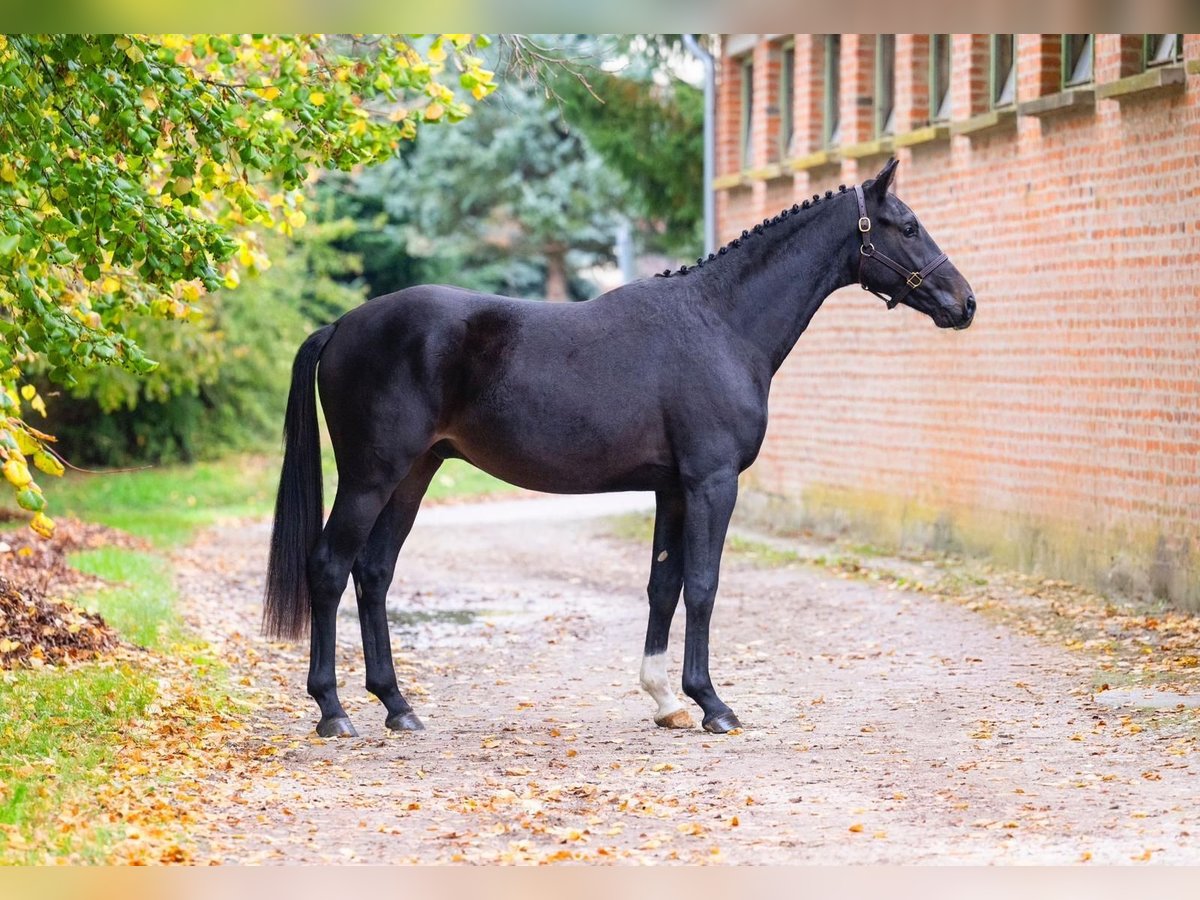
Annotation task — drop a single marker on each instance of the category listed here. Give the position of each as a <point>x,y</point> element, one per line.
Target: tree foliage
<point>512,200</point>
<point>644,121</point>
<point>139,172</point>
<point>223,381</point>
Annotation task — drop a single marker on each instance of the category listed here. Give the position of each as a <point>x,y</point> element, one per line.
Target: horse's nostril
<point>970,305</point>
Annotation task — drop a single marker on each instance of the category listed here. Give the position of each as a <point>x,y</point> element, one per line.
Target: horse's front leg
<point>708,504</point>
<point>666,579</point>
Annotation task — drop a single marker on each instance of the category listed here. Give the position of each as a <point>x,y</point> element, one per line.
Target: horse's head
<point>899,258</point>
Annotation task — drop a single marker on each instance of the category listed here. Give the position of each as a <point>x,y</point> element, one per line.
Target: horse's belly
<point>565,460</point>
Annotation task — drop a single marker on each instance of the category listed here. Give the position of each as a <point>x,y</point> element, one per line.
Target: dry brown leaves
<point>36,630</point>
<point>170,771</point>
<point>34,562</point>
<point>37,627</point>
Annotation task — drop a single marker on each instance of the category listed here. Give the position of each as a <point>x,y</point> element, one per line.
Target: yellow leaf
<point>433,112</point>
<point>150,98</point>
<point>317,98</point>
<point>17,473</point>
<point>269,93</point>
<point>110,284</point>
<point>7,172</point>
<point>856,827</point>
<point>28,392</point>
<point>232,279</point>
<point>8,645</point>
<point>43,525</point>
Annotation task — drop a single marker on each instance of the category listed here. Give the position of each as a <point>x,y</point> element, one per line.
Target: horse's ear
<point>880,183</point>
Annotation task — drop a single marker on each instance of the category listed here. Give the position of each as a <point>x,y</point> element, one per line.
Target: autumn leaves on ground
<point>897,709</point>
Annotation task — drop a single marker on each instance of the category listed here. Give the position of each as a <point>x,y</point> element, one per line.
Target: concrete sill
<point>926,135</point>
<point>996,118</point>
<point>1064,101</point>
<point>813,160</point>
<point>1160,78</point>
<point>732,180</point>
<point>862,150</point>
<point>766,173</point>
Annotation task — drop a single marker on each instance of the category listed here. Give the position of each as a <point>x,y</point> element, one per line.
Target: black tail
<point>298,507</point>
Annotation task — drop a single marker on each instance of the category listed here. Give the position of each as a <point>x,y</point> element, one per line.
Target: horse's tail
<point>298,506</point>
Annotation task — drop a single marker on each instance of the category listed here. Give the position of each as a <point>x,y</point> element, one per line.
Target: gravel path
<point>882,726</point>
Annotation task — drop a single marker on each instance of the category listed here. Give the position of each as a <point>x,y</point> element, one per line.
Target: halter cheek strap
<point>912,280</point>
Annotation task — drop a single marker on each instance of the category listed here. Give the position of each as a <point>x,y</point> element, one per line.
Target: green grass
<point>141,602</point>
<point>57,735</point>
<point>167,504</point>
<point>457,478</point>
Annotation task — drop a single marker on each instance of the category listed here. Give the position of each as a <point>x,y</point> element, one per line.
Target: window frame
<point>994,92</point>
<point>1067,79</point>
<point>1149,63</point>
<point>746,132</point>
<point>831,102</point>
<point>945,100</point>
<point>884,125</point>
<point>787,98</point>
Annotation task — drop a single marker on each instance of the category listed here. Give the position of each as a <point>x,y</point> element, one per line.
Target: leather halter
<point>912,280</point>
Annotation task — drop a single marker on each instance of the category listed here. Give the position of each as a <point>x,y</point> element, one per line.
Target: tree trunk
<point>556,274</point>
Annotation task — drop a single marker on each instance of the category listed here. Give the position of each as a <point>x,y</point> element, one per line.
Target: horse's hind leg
<point>373,572</point>
<point>666,579</point>
<point>350,521</point>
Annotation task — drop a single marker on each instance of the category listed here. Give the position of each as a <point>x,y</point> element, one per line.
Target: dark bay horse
<point>660,385</point>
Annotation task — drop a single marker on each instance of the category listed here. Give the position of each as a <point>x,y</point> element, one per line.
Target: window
<point>1004,69</point>
<point>885,84</point>
<point>833,88</point>
<point>747,109</point>
<point>939,77</point>
<point>1077,59</point>
<point>1163,49</point>
<point>787,81</point>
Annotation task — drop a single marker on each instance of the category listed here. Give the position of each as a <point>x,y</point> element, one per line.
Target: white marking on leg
<point>654,682</point>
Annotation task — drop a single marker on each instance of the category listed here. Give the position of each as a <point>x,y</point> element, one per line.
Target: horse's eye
<point>910,230</point>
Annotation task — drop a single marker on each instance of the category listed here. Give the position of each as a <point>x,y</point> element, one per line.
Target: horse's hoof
<point>338,726</point>
<point>721,722</point>
<point>681,718</point>
<point>405,722</point>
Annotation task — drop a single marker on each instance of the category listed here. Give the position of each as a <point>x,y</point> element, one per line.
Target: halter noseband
<point>912,280</point>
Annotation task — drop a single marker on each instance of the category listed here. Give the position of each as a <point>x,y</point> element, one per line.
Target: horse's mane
<point>757,229</point>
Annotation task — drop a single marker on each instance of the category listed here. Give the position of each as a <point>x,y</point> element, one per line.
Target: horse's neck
<point>774,282</point>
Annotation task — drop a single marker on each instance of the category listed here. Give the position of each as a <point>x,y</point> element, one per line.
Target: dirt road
<point>882,726</point>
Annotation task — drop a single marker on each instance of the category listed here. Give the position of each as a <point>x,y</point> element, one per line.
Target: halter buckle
<point>864,224</point>
<point>914,280</point>
<point>867,249</point>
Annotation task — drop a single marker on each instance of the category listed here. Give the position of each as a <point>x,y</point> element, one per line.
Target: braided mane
<point>746,235</point>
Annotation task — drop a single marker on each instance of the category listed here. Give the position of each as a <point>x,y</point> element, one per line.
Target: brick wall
<point>1062,431</point>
